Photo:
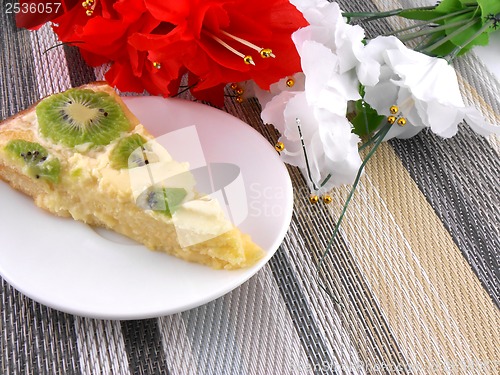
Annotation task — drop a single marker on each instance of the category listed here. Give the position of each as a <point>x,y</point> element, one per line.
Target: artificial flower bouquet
<point>321,82</point>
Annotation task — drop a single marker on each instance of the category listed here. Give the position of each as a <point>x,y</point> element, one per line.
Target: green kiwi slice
<point>79,116</point>
<point>161,199</point>
<point>36,159</point>
<point>129,153</point>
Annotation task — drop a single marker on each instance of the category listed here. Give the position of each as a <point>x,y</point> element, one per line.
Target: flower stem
<point>371,140</point>
<point>377,15</point>
<point>381,135</point>
<point>389,13</point>
<point>432,30</point>
<point>63,44</point>
<point>187,88</point>
<point>305,155</point>
<point>327,178</point>
<point>458,31</point>
<point>431,21</point>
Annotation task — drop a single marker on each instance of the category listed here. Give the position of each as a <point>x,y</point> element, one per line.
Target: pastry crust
<point>83,194</point>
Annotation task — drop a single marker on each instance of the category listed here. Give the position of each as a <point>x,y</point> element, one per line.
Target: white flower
<point>330,51</point>
<point>424,88</point>
<point>328,27</point>
<point>330,145</point>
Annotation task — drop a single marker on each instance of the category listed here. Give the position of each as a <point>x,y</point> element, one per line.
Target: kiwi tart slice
<point>36,159</point>
<point>83,154</point>
<point>80,116</point>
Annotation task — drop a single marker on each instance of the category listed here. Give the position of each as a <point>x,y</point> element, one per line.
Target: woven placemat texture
<point>415,268</point>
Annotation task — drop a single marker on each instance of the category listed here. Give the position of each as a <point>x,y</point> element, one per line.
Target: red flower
<point>153,43</point>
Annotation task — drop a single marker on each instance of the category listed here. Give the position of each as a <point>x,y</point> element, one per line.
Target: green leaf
<point>449,6</point>
<point>489,7</point>
<point>461,30</point>
<point>366,120</point>
<point>466,37</point>
<point>445,7</point>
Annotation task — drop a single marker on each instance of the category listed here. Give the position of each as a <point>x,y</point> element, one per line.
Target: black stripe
<point>144,348</point>
<point>459,178</point>
<point>79,72</point>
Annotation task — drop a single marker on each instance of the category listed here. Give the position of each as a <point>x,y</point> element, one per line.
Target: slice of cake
<point>83,154</point>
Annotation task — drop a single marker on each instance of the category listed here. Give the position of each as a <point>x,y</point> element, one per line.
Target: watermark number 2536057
<point>40,8</point>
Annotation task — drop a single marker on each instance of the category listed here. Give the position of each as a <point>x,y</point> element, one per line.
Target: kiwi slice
<point>129,152</point>
<point>161,199</point>
<point>79,116</point>
<point>36,159</point>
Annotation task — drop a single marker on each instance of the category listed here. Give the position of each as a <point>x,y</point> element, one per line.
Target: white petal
<point>298,109</point>
<point>443,119</point>
<point>325,88</point>
<point>337,137</point>
<point>368,71</point>
<point>382,96</point>
<point>429,78</point>
<point>377,47</point>
<point>273,112</point>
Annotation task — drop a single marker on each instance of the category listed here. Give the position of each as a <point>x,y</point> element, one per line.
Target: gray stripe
<point>477,75</point>
<point>462,187</point>
<point>372,28</point>
<point>143,347</point>
<point>37,339</point>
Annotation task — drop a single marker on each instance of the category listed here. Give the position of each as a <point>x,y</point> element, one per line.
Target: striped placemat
<point>415,268</point>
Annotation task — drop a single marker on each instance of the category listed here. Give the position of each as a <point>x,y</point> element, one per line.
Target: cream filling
<point>197,219</point>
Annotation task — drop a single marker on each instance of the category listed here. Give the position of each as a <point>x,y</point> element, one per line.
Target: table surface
<point>415,268</point>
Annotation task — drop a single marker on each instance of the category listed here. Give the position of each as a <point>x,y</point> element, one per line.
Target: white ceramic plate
<point>75,268</point>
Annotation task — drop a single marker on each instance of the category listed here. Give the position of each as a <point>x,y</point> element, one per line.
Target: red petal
<point>169,11</point>
<point>121,76</point>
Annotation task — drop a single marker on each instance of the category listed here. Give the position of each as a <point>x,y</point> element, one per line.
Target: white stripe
<point>176,345</point>
<point>266,337</point>
<point>101,347</point>
<point>250,332</point>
